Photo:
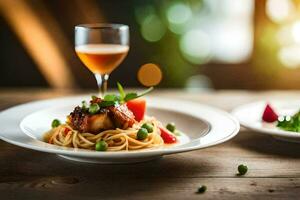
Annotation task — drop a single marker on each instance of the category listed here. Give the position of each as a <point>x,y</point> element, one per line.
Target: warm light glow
<point>149,74</point>
<point>153,29</point>
<point>237,8</point>
<point>285,35</point>
<point>40,44</point>
<point>233,42</point>
<point>195,46</point>
<point>296,31</point>
<point>279,10</point>
<point>289,56</point>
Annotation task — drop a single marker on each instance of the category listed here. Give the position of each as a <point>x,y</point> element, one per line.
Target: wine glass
<point>101,47</point>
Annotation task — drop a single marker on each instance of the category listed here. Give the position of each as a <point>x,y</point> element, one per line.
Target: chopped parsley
<point>289,123</point>
<point>112,99</point>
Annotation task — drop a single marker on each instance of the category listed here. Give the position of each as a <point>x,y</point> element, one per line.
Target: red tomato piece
<point>269,114</point>
<point>137,107</point>
<point>167,136</point>
<point>66,131</point>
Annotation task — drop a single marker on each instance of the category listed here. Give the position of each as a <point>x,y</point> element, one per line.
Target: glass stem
<point>102,83</point>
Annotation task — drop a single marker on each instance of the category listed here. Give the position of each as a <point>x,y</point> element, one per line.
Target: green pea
<point>201,189</point>
<point>142,134</point>
<point>171,127</point>
<point>55,123</point>
<point>94,108</point>
<point>148,126</point>
<point>242,169</point>
<point>101,146</point>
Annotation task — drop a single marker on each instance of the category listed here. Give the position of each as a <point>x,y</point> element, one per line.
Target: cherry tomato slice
<point>167,136</point>
<point>137,107</point>
<point>66,131</point>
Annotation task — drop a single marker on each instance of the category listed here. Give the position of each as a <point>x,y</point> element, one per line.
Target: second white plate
<point>250,116</point>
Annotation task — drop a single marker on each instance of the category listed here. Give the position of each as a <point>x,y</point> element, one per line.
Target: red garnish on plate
<point>269,114</point>
<point>66,131</point>
<point>50,141</point>
<point>167,136</point>
<point>137,107</point>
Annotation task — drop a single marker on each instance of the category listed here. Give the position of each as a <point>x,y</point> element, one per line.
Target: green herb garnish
<point>94,108</point>
<point>108,103</point>
<point>122,97</point>
<point>112,99</point>
<point>289,123</point>
<point>131,96</point>
<point>121,90</point>
<point>84,106</point>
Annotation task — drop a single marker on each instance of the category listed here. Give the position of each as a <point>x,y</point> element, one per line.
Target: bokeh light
<point>279,10</point>
<point>177,28</point>
<point>198,83</point>
<point>149,74</point>
<point>296,31</point>
<point>237,8</point>
<point>195,46</point>
<point>141,13</point>
<point>289,56</point>
<point>179,13</point>
<point>285,35</point>
<point>152,28</point>
<point>234,45</point>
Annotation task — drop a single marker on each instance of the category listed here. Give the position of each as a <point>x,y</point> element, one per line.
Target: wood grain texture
<point>274,166</point>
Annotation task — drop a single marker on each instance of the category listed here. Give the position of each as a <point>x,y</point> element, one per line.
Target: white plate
<point>204,126</point>
<point>250,116</point>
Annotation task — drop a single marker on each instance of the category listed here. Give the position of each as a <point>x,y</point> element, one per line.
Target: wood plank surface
<point>274,166</point>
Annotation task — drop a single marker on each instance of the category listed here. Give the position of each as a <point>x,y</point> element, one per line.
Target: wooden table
<point>274,166</point>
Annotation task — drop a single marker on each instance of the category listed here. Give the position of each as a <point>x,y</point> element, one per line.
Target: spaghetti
<point>116,139</point>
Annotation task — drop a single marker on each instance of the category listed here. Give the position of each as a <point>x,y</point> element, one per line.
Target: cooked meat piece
<point>85,122</point>
<point>78,119</point>
<point>108,118</point>
<point>121,116</point>
<point>100,122</point>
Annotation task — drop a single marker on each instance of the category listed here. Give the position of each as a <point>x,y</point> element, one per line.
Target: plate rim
<point>165,151</point>
<point>267,131</point>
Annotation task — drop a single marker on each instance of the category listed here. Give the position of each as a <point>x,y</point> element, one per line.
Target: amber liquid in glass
<point>101,58</point>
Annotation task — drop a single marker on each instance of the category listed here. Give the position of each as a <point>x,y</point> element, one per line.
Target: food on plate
<point>113,123</point>
<point>287,123</point>
<point>269,115</point>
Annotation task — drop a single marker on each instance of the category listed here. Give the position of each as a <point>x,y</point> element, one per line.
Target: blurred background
<point>197,44</point>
